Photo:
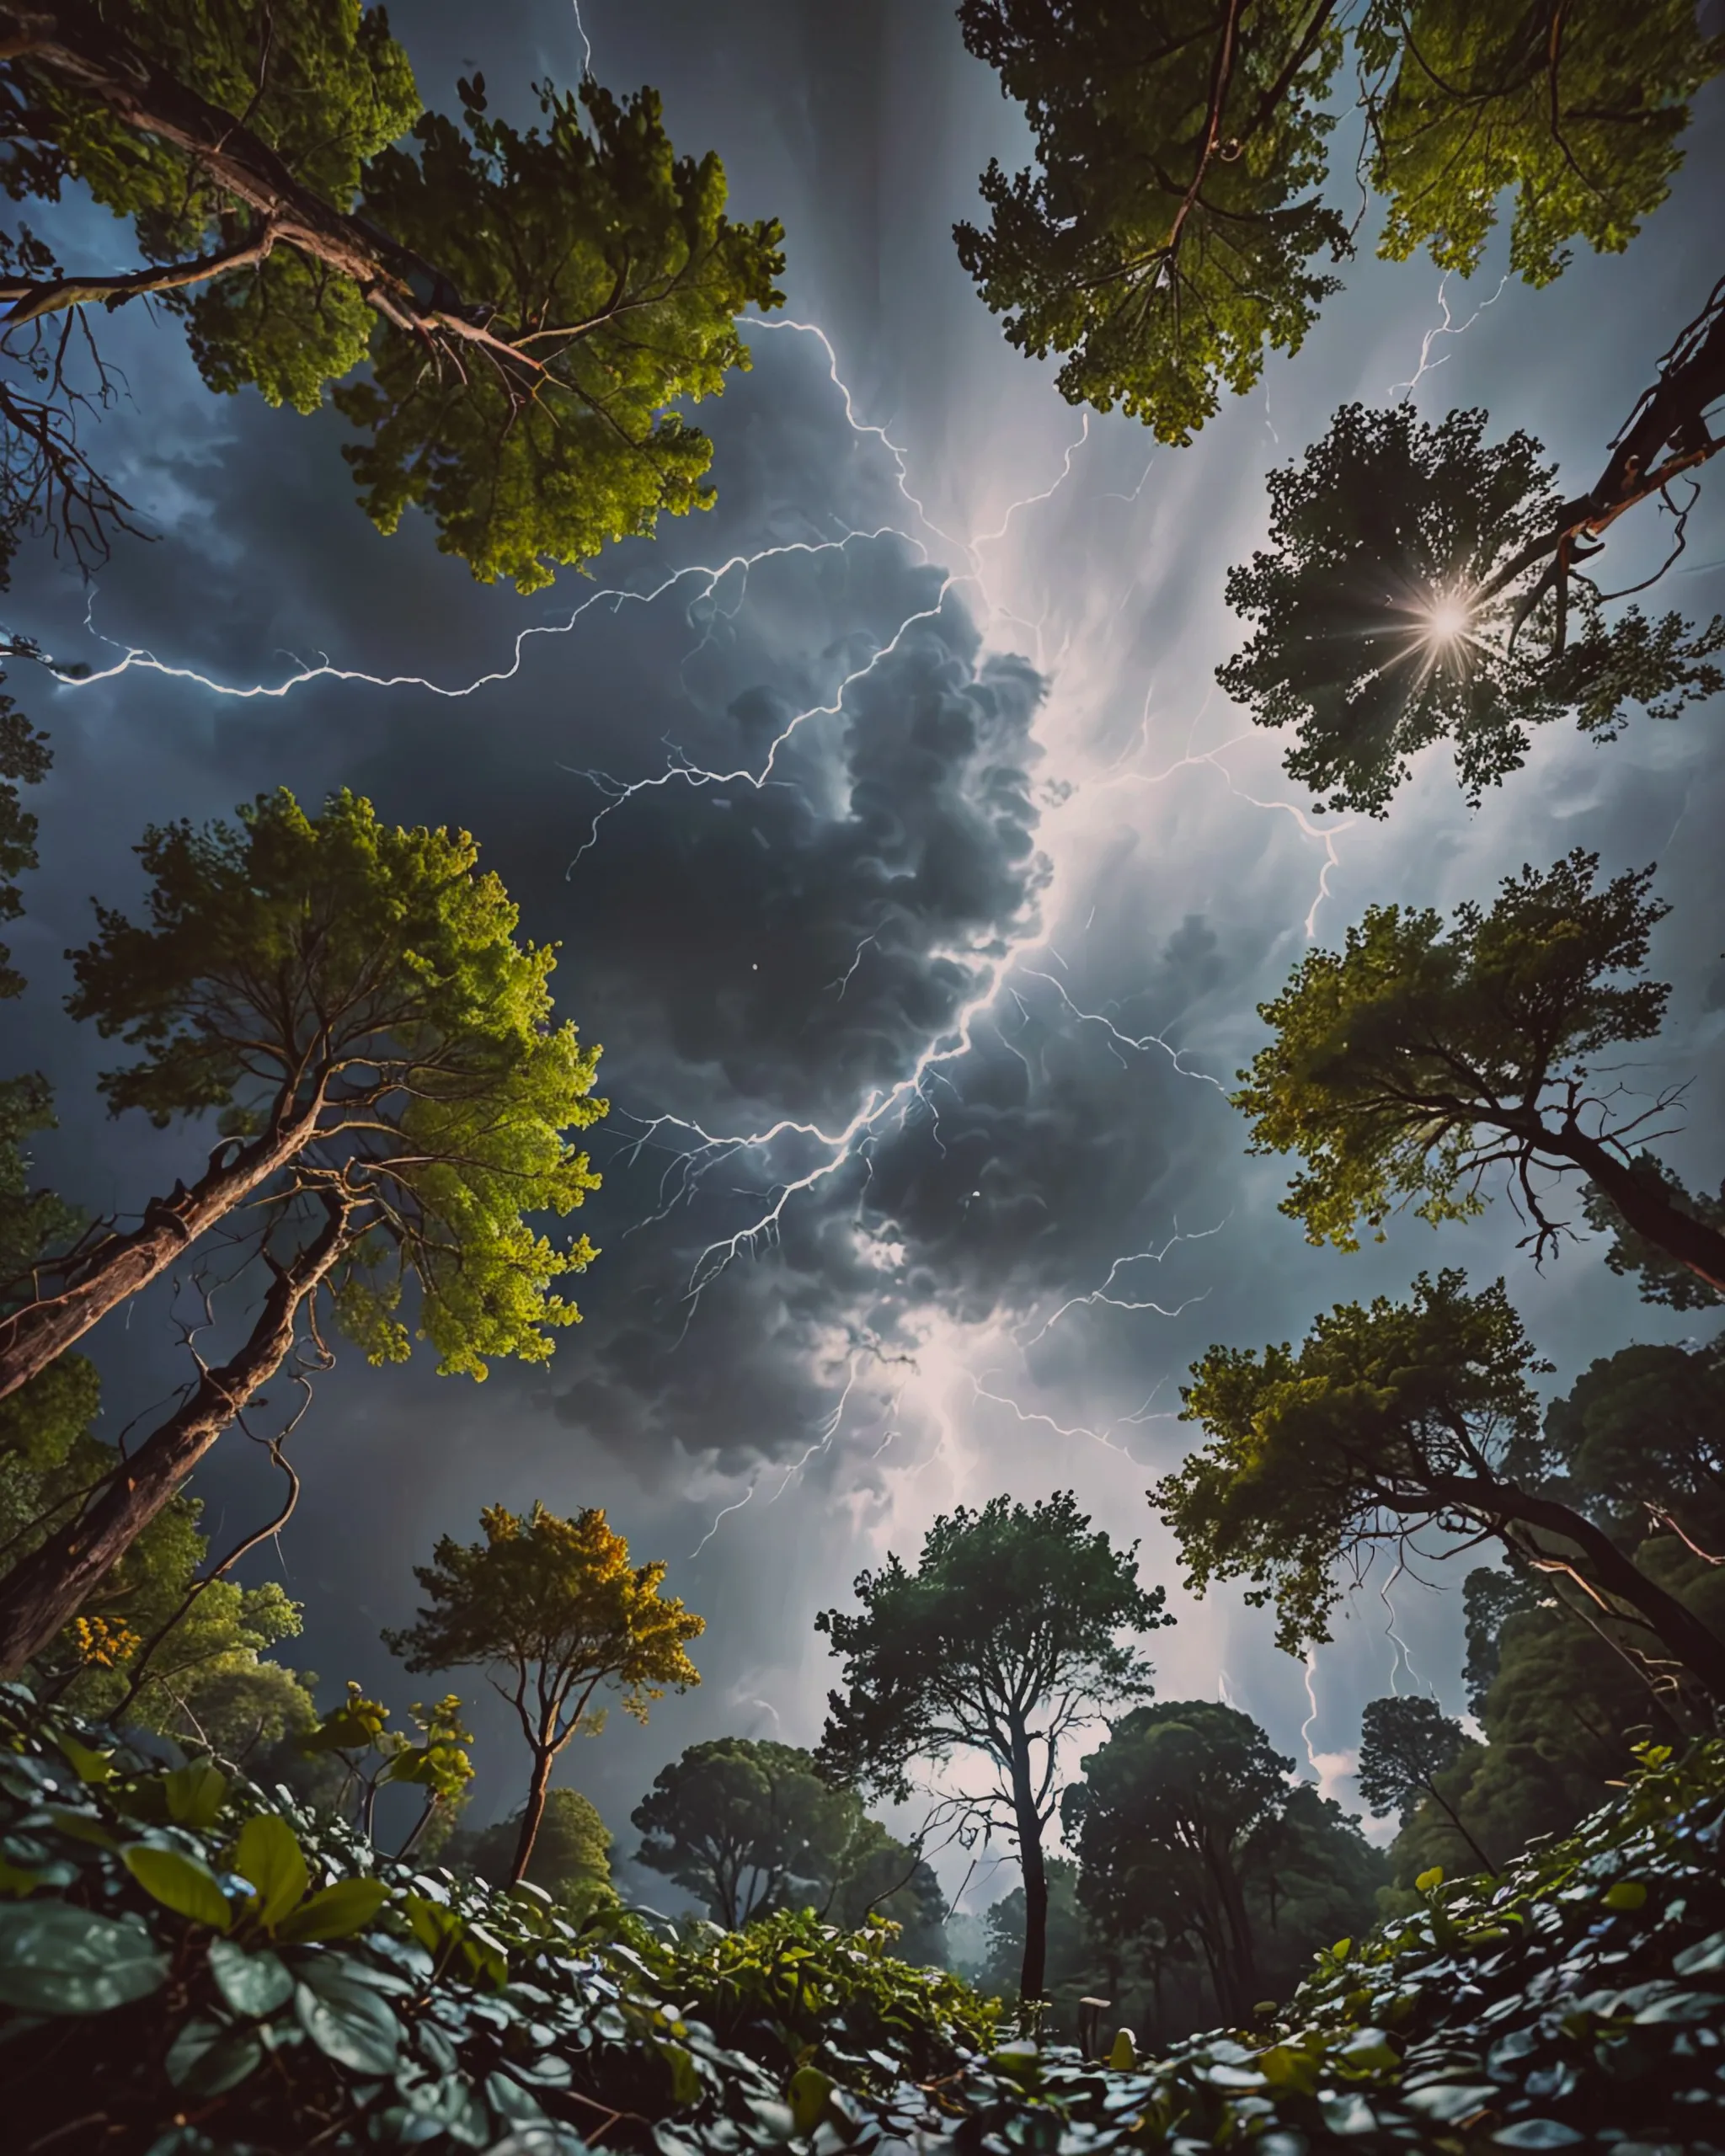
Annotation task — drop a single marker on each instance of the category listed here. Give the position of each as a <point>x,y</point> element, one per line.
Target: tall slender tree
<point>1005,1639</point>
<point>554,1609</point>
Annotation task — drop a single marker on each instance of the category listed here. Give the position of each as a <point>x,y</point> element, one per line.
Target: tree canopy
<point>398,1105</point>
<point>748,1825</point>
<point>532,303</point>
<point>554,1606</point>
<point>1407,1068</point>
<point>1388,1419</point>
<point>1176,226</point>
<point>1408,596</point>
<point>1195,1846</point>
<point>1406,1744</point>
<point>1005,1639</point>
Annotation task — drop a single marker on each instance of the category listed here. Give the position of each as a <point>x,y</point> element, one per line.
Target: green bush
<point>189,1968</point>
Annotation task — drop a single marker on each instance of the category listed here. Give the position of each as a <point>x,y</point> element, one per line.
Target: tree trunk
<point>96,61</point>
<point>1455,1819</point>
<point>1497,1505</point>
<point>1033,1973</point>
<point>45,1592</point>
<point>544,1757</point>
<point>118,1265</point>
<point>1647,1209</point>
<point>1241,1960</point>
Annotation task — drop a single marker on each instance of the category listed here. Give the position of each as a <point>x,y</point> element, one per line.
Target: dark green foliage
<point>749,1827</point>
<point>1489,1598</point>
<point>360,2005</point>
<point>1076,1967</point>
<point>1663,1279</point>
<point>1174,229</point>
<point>1385,620</point>
<point>1641,1436</point>
<point>25,761</point>
<point>1198,1855</point>
<point>1406,1742</point>
<point>1005,1638</point>
<point>571,1857</point>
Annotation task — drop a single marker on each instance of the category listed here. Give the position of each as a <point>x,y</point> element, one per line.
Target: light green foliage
<point>541,1593</point>
<point>1407,1065</point>
<point>553,1605</point>
<point>322,84</point>
<point>531,302</point>
<point>1382,627</point>
<point>375,973</point>
<point>611,265</point>
<point>1360,1432</point>
<point>1576,105</point>
<point>1170,235</point>
<point>1176,226</point>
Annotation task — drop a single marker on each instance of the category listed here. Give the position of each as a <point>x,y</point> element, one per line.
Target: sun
<point>1447,620</point>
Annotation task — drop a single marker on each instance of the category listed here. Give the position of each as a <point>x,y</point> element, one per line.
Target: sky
<point>918,880</point>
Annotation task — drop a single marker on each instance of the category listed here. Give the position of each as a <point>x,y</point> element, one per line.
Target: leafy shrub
<point>190,1969</point>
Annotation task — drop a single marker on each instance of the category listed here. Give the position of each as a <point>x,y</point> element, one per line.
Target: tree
<point>1074,1952</point>
<point>531,303</point>
<point>748,1825</point>
<point>1405,1744</point>
<point>372,1756</point>
<point>1417,588</point>
<point>555,1605</point>
<point>1641,1436</point>
<point>1663,1278</point>
<point>1171,233</point>
<point>25,761</point>
<point>1577,108</point>
<point>1176,227</point>
<point>1003,1641</point>
<point>571,1857</point>
<point>1166,1822</point>
<point>1412,1063</point>
<point>396,1101</point>
<point>1388,1420</point>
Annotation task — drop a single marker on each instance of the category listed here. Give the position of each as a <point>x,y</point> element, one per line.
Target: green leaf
<point>1428,1881</point>
<point>335,1911</point>
<point>809,2090</point>
<point>254,1983</point>
<point>269,1856</point>
<point>1626,1894</point>
<point>55,1959</point>
<point>348,2021</point>
<point>1537,2134</point>
<point>1123,2057</point>
<point>89,1766</point>
<point>1702,1959</point>
<point>206,2059</point>
<point>1284,2067</point>
<point>181,1883</point>
<point>1348,2113</point>
<point>195,1793</point>
<point>1445,2102</point>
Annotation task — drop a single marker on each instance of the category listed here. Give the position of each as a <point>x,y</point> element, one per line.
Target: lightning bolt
<point>1142,1044</point>
<point>1448,327</point>
<point>1103,1437</point>
<point>586,43</point>
<point>724,1513</point>
<point>1100,1294</point>
<point>1310,1723</point>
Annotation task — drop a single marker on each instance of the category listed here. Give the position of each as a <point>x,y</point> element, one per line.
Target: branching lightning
<point>1103,1294</point>
<point>1448,327</point>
